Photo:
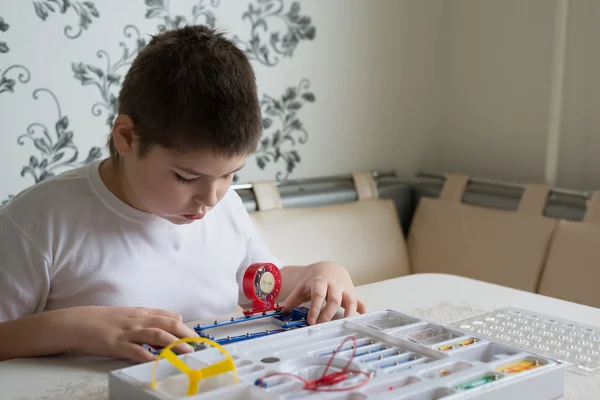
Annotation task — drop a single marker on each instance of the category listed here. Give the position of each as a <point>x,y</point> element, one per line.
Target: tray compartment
<point>329,347</point>
<point>431,334</point>
<point>477,381</point>
<point>444,370</point>
<point>386,321</point>
<point>520,364</point>
<point>457,344</point>
<point>485,352</point>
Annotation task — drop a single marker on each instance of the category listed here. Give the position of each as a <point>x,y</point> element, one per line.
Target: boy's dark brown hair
<point>192,89</point>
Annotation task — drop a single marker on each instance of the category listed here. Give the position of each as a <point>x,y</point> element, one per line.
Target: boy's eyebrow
<point>192,172</point>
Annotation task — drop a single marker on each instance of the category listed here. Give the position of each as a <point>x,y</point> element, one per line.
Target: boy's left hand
<point>327,283</point>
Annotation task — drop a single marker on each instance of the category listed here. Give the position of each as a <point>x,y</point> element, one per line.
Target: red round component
<point>262,284</point>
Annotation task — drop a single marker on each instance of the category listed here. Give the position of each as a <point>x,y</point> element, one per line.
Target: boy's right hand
<point>119,332</point>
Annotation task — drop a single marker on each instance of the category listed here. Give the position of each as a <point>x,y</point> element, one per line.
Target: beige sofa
<point>521,248</point>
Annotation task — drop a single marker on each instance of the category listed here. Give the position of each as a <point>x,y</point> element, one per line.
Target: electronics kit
<point>378,355</point>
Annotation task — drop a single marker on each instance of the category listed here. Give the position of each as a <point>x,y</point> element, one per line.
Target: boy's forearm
<point>36,335</point>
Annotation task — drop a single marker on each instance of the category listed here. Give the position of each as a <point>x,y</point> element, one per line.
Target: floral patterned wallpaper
<point>62,63</point>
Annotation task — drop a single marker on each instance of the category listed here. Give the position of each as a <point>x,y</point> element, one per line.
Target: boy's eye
<point>181,179</point>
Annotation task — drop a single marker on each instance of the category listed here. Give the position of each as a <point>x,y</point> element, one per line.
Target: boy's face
<point>181,188</point>
<point>178,188</point>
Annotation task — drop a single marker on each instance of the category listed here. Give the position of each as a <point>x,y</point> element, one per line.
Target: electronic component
<point>262,286</point>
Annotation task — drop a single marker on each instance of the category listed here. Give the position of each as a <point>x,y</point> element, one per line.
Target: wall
<point>461,85</point>
<point>501,65</point>
<point>497,57</point>
<point>359,84</point>
<point>579,157</point>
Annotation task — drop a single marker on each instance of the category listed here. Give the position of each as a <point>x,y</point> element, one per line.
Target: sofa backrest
<point>497,246</point>
<point>364,236</point>
<point>572,269</point>
<point>484,230</point>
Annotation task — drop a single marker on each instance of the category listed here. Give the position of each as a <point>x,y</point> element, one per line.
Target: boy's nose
<point>208,197</point>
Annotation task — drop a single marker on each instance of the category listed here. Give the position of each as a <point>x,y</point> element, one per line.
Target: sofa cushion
<point>364,236</point>
<point>497,246</point>
<point>572,269</point>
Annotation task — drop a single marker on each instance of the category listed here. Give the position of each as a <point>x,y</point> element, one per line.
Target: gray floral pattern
<point>161,9</point>
<point>259,14</point>
<point>85,10</point>
<point>275,29</point>
<point>8,200</point>
<point>108,79</point>
<point>283,129</point>
<point>7,84</point>
<point>3,28</point>
<point>54,153</point>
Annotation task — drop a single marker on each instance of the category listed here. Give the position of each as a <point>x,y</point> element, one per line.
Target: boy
<point>107,257</point>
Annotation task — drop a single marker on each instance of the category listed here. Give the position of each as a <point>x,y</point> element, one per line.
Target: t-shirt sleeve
<point>24,273</point>
<point>257,250</point>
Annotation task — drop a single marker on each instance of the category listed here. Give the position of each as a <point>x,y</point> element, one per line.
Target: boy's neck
<point>114,182</point>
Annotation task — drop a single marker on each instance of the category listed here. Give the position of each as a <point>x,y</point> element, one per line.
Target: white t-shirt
<point>69,241</point>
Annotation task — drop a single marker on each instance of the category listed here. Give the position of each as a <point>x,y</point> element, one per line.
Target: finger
<point>156,337</point>
<point>174,327</point>
<point>362,308</point>
<point>135,352</point>
<point>317,296</point>
<point>334,300</point>
<point>297,297</point>
<point>159,312</point>
<point>350,304</point>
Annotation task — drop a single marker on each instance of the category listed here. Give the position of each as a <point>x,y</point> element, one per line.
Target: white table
<point>439,298</point>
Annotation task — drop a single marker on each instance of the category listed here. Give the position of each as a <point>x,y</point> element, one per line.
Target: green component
<point>476,382</point>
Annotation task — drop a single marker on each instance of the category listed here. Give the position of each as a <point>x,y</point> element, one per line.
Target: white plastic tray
<point>422,350</point>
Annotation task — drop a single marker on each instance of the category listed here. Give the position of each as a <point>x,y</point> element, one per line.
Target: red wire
<point>331,379</point>
<point>338,350</point>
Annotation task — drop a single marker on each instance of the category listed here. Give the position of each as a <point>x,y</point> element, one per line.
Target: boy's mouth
<point>193,216</point>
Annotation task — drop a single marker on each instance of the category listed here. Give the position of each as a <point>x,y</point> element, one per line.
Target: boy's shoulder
<point>52,196</point>
<point>231,213</point>
<point>232,207</point>
<point>233,201</point>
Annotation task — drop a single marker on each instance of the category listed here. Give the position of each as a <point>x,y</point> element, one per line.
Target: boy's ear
<point>124,135</point>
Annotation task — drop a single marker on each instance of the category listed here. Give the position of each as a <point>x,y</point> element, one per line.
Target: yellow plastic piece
<point>195,375</point>
<point>520,367</point>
